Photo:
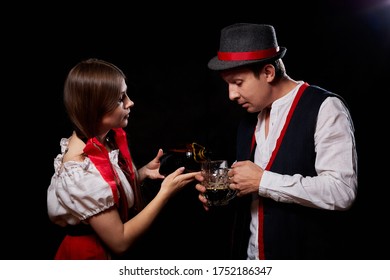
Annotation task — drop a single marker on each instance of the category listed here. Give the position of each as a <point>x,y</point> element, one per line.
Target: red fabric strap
<point>274,152</point>
<point>290,113</point>
<point>232,56</point>
<point>98,154</point>
<point>121,141</point>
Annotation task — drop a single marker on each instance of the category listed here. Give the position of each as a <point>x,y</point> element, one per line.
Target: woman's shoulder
<point>71,156</point>
<point>74,147</point>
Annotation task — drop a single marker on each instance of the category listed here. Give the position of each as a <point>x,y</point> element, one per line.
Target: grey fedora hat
<point>246,43</point>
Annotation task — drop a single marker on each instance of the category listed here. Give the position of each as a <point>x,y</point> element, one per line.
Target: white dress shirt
<point>335,186</point>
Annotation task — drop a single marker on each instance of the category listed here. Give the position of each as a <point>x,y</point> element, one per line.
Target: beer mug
<point>216,181</point>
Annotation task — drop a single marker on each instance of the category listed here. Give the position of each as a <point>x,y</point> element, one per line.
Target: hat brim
<point>216,64</point>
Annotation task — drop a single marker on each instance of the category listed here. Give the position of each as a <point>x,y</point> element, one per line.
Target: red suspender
<point>274,152</point>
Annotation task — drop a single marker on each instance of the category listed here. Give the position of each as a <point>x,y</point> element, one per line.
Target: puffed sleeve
<point>76,192</point>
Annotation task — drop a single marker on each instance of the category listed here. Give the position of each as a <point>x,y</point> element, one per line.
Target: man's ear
<point>269,72</point>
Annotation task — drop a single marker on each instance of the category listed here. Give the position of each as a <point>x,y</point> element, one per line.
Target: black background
<point>342,46</point>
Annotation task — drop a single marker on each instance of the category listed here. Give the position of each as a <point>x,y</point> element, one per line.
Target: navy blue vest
<point>291,231</point>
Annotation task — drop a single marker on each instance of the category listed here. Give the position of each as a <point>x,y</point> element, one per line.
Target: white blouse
<point>77,190</point>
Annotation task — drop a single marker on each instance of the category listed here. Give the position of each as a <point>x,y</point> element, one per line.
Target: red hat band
<point>261,54</point>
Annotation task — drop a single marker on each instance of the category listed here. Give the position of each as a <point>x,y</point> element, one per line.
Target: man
<point>296,169</point>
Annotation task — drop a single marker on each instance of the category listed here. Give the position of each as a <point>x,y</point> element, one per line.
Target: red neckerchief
<point>274,152</point>
<point>98,154</point>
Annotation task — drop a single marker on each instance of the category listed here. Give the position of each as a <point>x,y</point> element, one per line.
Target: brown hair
<point>280,70</point>
<point>92,89</point>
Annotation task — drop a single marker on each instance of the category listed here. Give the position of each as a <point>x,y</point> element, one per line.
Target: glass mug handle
<point>232,194</point>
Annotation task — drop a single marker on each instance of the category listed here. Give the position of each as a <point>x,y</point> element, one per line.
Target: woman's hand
<point>176,181</point>
<point>151,170</point>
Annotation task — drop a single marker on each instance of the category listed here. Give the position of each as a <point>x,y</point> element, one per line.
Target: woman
<point>94,191</point>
